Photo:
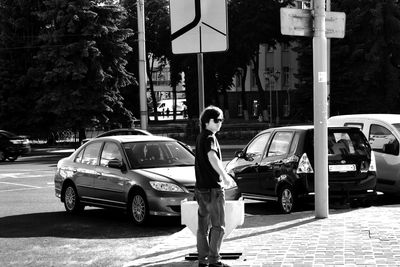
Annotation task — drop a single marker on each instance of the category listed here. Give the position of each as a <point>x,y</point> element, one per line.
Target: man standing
<point>210,195</point>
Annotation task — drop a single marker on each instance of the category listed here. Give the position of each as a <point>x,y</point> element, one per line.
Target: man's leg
<point>217,215</point>
<point>203,199</point>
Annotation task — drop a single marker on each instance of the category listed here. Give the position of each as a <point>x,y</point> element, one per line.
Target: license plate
<point>342,168</point>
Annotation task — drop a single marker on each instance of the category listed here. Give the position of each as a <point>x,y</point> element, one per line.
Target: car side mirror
<point>390,148</point>
<point>239,154</point>
<point>117,164</point>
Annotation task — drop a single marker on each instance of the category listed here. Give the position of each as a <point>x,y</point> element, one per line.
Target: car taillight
<point>304,165</point>
<point>372,165</point>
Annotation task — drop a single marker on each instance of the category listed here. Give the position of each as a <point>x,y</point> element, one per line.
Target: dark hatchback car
<point>144,175</point>
<point>278,165</point>
<point>12,146</point>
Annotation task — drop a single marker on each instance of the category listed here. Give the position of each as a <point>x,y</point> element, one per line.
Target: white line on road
<point>20,185</point>
<point>21,189</point>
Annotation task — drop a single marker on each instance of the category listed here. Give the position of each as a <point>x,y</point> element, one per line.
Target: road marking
<point>21,189</point>
<point>31,186</point>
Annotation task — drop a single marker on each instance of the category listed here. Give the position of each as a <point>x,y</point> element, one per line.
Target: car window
<point>280,144</point>
<point>355,124</point>
<point>294,143</point>
<point>346,143</point>
<point>382,140</point>
<point>91,154</point>
<point>78,158</point>
<point>110,151</point>
<point>158,154</point>
<point>257,146</point>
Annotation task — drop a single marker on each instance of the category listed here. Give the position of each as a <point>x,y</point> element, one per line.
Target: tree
<point>81,65</point>
<point>364,77</point>
<point>19,29</point>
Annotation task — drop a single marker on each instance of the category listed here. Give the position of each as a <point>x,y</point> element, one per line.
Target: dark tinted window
<point>346,143</point>
<point>158,154</point>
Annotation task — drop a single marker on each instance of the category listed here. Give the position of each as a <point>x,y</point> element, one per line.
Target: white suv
<point>383,134</point>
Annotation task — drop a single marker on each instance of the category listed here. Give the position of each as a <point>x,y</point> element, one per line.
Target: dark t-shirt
<point>206,176</point>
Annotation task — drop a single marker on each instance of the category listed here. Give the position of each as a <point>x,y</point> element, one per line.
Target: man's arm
<point>216,163</point>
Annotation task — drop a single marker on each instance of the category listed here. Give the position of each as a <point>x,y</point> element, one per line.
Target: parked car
<point>278,165</point>
<point>142,174</point>
<point>12,146</point>
<point>383,134</point>
<point>122,131</point>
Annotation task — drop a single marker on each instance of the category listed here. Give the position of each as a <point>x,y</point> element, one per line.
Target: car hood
<point>182,175</point>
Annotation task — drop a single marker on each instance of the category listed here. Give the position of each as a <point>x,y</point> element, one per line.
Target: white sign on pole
<point>299,22</point>
<point>198,26</point>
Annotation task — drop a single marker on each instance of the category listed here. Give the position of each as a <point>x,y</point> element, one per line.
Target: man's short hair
<point>210,112</point>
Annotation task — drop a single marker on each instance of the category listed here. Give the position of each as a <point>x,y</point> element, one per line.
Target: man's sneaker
<point>218,264</point>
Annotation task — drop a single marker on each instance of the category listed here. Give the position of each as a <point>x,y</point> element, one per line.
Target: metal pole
<point>320,111</point>
<point>277,103</point>
<point>142,65</point>
<point>200,75</point>
<point>328,44</point>
<point>270,101</point>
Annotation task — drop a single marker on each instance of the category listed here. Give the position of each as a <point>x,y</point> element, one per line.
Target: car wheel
<point>12,158</point>
<point>139,208</point>
<point>71,200</point>
<point>2,156</point>
<point>286,199</point>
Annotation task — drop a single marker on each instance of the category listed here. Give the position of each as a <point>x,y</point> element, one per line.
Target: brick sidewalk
<point>349,237</point>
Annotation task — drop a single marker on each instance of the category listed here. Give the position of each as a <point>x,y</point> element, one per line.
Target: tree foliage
<point>74,74</point>
<point>364,77</point>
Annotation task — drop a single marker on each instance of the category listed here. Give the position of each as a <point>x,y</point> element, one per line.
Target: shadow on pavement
<point>90,224</point>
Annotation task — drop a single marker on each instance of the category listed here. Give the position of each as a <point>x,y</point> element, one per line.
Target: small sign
<point>299,22</point>
<point>322,77</point>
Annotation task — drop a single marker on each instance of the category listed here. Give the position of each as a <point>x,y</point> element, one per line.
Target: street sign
<point>299,22</point>
<point>198,26</point>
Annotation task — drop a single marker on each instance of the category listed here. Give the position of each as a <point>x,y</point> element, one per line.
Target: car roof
<point>136,138</point>
<point>305,128</point>
<point>125,130</point>
<point>389,118</point>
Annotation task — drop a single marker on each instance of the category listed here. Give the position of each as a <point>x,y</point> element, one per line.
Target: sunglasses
<point>218,120</point>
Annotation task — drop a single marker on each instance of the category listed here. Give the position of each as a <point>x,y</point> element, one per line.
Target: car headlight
<point>167,187</point>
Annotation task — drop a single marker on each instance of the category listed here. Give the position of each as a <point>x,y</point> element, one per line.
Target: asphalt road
<point>36,231</point>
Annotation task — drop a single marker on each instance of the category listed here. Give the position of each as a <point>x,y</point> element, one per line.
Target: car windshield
<point>158,154</point>
<point>345,143</point>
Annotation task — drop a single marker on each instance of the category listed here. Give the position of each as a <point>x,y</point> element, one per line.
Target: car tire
<point>2,156</point>
<point>286,199</point>
<point>12,158</point>
<point>138,208</point>
<point>72,203</point>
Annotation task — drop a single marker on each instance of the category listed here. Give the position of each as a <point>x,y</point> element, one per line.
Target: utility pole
<point>142,65</point>
<point>328,53</point>
<point>320,111</point>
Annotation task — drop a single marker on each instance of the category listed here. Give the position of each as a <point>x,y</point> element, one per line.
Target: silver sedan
<point>144,175</point>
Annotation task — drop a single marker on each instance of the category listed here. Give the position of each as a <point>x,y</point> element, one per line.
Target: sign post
<point>199,26</point>
<point>321,26</point>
